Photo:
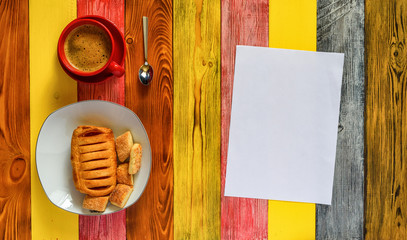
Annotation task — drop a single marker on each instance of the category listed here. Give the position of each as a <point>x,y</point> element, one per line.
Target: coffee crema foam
<point>88,48</point>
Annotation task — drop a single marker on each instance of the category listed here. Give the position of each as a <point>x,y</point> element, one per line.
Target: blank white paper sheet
<point>284,122</point>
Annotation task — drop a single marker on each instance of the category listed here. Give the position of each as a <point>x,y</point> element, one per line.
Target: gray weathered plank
<point>340,28</point>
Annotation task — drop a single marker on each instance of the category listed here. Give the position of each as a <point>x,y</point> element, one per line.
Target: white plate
<point>54,150</point>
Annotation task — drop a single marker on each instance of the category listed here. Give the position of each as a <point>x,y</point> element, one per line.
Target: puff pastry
<point>124,143</point>
<point>121,195</point>
<point>123,175</point>
<point>93,159</point>
<point>136,154</point>
<point>97,204</point>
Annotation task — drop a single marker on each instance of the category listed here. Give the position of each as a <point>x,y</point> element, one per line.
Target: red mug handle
<point>115,69</point>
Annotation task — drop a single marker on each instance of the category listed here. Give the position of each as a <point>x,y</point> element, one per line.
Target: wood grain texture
<point>340,28</point>
<point>15,214</point>
<point>386,117</point>
<point>243,23</point>
<point>197,119</point>
<point>151,217</point>
<point>112,89</point>
<point>112,226</point>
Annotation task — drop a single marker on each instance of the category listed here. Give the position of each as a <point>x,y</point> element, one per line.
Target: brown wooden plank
<point>340,28</point>
<point>15,191</point>
<point>386,120</point>
<point>152,216</point>
<point>112,226</point>
<point>243,23</point>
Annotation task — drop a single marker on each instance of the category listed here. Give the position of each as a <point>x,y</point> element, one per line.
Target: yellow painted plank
<point>293,25</point>
<point>291,220</point>
<point>196,39</point>
<point>50,89</point>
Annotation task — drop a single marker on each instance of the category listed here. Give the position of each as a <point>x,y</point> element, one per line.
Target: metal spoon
<point>145,73</point>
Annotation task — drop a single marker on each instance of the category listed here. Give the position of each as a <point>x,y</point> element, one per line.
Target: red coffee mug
<point>111,67</point>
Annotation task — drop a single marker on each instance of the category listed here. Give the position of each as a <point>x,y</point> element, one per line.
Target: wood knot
<point>397,56</point>
<point>397,193</point>
<point>210,64</point>
<point>129,40</point>
<point>17,169</point>
<point>340,128</point>
<point>398,212</point>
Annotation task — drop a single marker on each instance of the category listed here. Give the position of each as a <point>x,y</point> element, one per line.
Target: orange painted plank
<point>152,216</point>
<point>243,23</point>
<point>112,226</point>
<point>15,191</point>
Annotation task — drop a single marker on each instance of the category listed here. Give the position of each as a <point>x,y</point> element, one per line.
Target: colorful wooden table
<point>186,112</point>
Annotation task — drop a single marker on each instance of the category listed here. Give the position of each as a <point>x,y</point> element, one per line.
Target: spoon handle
<point>145,36</point>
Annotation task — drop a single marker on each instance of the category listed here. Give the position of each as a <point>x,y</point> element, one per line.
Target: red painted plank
<point>243,23</point>
<point>112,89</point>
<point>112,226</point>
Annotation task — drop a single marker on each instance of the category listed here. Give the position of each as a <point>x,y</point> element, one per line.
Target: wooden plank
<point>15,219</point>
<point>292,25</point>
<point>152,216</point>
<point>197,119</point>
<point>242,23</point>
<point>50,89</point>
<point>112,226</point>
<point>386,117</point>
<point>112,89</point>
<point>341,29</point>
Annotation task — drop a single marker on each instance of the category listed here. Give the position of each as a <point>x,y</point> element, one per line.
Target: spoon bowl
<point>145,74</point>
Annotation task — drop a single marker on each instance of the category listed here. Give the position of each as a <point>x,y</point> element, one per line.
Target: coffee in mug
<point>91,50</point>
<point>88,48</point>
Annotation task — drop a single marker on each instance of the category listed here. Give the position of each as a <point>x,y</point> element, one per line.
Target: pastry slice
<point>97,204</point>
<point>93,159</point>
<point>135,158</point>
<point>124,143</point>
<point>121,195</point>
<point>123,175</point>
